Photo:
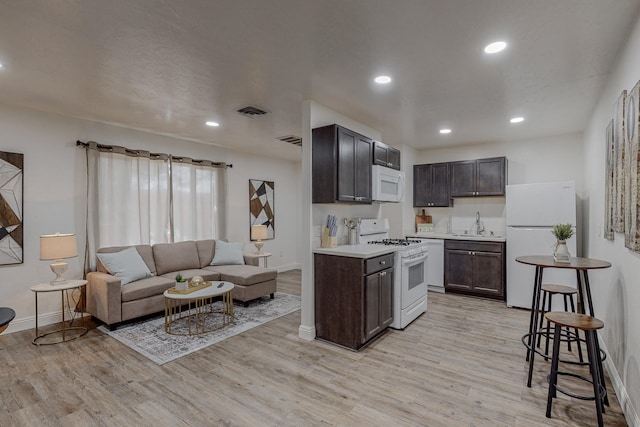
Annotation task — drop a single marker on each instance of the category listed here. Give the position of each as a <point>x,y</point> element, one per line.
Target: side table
<point>67,333</point>
<point>263,255</point>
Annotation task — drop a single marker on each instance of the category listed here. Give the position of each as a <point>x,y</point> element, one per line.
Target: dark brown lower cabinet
<point>475,268</point>
<point>353,298</point>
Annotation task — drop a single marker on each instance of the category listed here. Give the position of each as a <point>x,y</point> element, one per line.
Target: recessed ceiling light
<point>495,47</point>
<point>517,119</point>
<point>212,124</point>
<point>444,131</point>
<point>1,65</point>
<point>383,80</point>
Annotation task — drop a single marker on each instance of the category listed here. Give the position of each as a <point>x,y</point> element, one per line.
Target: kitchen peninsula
<point>353,293</point>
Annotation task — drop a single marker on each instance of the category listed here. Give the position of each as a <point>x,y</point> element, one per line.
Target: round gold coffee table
<point>190,313</point>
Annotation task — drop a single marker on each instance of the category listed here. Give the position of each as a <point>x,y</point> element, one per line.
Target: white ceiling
<point>168,66</point>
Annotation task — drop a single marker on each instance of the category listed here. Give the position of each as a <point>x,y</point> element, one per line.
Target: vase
<point>561,252</point>
<point>182,286</point>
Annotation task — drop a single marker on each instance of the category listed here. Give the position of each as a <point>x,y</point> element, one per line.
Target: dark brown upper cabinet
<point>482,177</point>
<point>384,155</point>
<point>341,166</point>
<point>431,185</point>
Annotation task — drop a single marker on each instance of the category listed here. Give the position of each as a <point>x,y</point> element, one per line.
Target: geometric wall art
<point>11,205</point>
<point>261,205</point>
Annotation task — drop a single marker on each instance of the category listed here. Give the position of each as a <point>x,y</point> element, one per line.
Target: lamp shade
<point>258,232</point>
<point>58,246</point>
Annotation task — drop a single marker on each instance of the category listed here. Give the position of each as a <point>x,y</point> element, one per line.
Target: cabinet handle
<point>383,262</point>
<point>389,164</point>
<point>382,274</point>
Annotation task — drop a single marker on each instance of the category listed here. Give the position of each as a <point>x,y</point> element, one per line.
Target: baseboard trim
<point>630,414</point>
<point>45,319</point>
<point>307,333</point>
<point>288,267</point>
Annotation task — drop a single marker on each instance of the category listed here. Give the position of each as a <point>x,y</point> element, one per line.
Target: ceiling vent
<point>291,139</point>
<point>250,111</point>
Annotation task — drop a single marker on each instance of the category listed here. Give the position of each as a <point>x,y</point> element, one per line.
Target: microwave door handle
<point>401,182</point>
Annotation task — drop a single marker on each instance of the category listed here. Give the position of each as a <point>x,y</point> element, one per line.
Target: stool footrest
<point>538,351</point>
<point>603,391</point>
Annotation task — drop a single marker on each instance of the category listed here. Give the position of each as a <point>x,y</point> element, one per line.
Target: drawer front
<point>468,245</point>
<point>373,265</point>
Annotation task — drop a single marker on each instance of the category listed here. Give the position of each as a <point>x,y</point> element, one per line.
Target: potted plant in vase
<point>562,233</point>
<point>181,283</point>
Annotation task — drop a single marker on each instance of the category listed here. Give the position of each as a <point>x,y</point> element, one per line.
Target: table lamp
<point>258,232</point>
<point>57,247</point>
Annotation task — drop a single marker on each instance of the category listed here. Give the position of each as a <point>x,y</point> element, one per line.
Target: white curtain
<point>196,199</point>
<point>134,197</point>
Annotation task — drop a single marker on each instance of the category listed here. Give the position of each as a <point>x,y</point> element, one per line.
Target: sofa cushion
<point>244,275</point>
<point>146,288</point>
<point>144,250</point>
<point>205,251</point>
<point>228,253</point>
<point>189,274</point>
<point>172,257</point>
<point>127,265</point>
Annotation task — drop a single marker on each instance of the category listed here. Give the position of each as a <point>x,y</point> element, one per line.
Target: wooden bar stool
<point>589,325</point>
<point>567,292</point>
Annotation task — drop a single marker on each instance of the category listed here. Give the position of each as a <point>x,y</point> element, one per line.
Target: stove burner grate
<point>395,242</point>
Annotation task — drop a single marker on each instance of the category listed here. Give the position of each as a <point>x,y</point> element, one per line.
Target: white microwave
<point>387,184</point>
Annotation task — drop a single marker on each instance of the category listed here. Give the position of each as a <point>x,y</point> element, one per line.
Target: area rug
<point>149,338</point>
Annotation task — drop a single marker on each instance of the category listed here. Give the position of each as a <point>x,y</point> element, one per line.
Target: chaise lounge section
<point>113,302</point>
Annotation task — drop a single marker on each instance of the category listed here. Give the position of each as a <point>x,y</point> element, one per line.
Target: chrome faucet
<point>479,227</point>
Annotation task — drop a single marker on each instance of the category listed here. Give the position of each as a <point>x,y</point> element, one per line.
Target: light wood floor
<point>460,364</point>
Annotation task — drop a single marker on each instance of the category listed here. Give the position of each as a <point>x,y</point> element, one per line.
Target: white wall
<point>616,291</point>
<point>55,196</point>
<point>286,176</point>
<point>314,215</point>
<point>557,158</point>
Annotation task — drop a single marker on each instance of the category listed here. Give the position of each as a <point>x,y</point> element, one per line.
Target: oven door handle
<point>412,261</point>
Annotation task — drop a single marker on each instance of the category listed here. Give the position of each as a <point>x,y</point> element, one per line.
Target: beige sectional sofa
<point>112,302</point>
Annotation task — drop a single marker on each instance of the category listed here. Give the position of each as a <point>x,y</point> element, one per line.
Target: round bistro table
<point>540,262</point>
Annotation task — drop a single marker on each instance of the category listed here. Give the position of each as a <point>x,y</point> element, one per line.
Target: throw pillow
<point>228,253</point>
<point>127,265</point>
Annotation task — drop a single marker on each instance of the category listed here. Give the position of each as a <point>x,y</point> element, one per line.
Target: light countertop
<point>357,251</point>
<point>437,235</point>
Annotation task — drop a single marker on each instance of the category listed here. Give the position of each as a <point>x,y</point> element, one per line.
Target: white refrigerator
<point>531,212</point>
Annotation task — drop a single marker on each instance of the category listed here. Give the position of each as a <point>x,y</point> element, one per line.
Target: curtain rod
<point>177,158</point>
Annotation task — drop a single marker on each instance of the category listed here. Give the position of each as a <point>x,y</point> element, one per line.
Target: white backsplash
<point>463,216</point>
<point>341,211</point>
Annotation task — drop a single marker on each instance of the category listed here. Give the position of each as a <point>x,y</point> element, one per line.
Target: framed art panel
<point>631,165</point>
<point>619,138</point>
<point>11,205</point>
<point>261,205</point>
<point>609,187</point>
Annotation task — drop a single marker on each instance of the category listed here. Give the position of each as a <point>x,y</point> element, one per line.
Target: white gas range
<point>410,270</point>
